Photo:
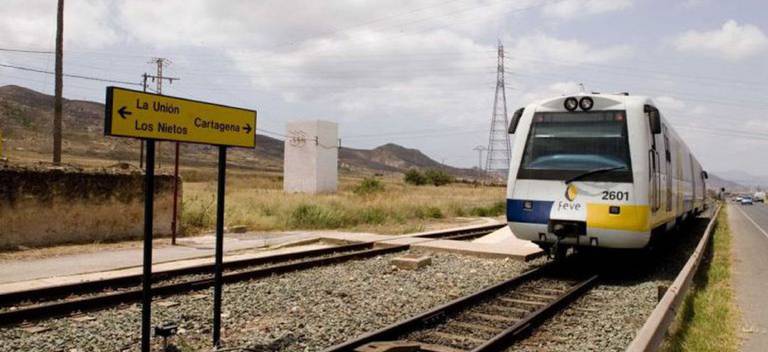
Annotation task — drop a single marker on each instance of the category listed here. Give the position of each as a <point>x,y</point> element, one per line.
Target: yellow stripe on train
<point>629,218</point>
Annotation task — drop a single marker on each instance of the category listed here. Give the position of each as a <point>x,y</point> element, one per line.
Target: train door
<point>692,184</point>
<point>655,175</point>
<point>667,167</point>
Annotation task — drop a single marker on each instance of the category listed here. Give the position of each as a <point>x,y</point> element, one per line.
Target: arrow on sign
<point>124,112</point>
<point>247,128</point>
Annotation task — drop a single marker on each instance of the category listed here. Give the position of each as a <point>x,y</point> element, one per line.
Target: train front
<point>572,181</point>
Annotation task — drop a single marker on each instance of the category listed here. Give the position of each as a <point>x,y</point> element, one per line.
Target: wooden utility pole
<point>59,83</point>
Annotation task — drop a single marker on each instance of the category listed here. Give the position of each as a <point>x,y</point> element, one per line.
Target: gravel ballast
<point>301,311</point>
<point>608,317</point>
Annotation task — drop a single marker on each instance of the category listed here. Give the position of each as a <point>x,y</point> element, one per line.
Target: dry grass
<point>708,319</point>
<point>260,203</point>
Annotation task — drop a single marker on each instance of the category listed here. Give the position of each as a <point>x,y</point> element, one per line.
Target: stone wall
<point>44,206</point>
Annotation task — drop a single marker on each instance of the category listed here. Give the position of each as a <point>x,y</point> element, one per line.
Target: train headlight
<point>571,104</point>
<point>586,103</point>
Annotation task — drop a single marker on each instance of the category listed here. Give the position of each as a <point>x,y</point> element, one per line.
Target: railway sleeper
<point>448,339</point>
<point>503,310</point>
<point>466,331</point>
<point>523,302</point>
<point>475,327</point>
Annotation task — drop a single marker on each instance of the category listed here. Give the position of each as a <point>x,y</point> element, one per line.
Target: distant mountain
<point>26,120</point>
<point>716,182</point>
<point>744,178</point>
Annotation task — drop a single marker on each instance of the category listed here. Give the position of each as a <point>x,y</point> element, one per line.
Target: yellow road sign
<point>131,113</point>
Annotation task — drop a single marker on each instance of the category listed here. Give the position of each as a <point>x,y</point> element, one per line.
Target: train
<point>603,171</point>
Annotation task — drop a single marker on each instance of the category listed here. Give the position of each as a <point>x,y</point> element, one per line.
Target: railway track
<point>63,300</point>
<point>488,320</point>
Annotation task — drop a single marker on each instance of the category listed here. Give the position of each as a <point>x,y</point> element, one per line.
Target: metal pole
<point>141,150</point>
<point>57,102</point>
<point>146,280</point>
<point>219,246</point>
<point>175,195</point>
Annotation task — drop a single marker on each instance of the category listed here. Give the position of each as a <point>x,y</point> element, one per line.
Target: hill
<point>26,119</point>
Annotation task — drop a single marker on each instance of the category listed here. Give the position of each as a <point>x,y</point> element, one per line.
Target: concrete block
<point>411,261</point>
<point>311,157</point>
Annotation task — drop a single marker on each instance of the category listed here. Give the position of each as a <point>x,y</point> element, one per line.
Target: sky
<point>421,74</point>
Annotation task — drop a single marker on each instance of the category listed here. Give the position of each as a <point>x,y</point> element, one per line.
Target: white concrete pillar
<point>311,157</point>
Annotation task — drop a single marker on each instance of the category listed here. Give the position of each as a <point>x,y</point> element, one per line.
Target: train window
<point>562,145</point>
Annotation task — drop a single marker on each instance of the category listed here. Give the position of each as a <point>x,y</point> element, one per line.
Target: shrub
<point>434,213</point>
<point>414,177</point>
<point>367,186</point>
<point>313,216</point>
<point>372,216</point>
<point>496,209</point>
<point>196,214</point>
<point>428,212</point>
<point>438,177</point>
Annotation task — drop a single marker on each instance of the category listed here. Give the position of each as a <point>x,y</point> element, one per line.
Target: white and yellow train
<point>599,170</point>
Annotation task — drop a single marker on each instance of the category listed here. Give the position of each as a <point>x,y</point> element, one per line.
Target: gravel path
<point>302,311</point>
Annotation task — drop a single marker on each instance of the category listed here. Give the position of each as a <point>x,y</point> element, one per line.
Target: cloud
<point>732,41</point>
<point>539,51</point>
<point>666,103</point>
<point>439,75</point>
<point>568,9</point>
<point>690,4</point>
<point>32,24</point>
<point>551,90</point>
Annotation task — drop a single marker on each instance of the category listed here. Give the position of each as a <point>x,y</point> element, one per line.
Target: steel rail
<point>56,309</point>
<point>651,335</point>
<point>433,315</point>
<point>450,233</point>
<point>517,331</point>
<point>64,290</point>
<point>441,313</point>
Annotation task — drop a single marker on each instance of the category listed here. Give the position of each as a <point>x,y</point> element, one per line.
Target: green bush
<point>372,216</point>
<point>428,213</point>
<point>313,216</point>
<point>414,177</point>
<point>438,177</point>
<point>196,214</point>
<point>496,209</point>
<point>431,176</point>
<point>367,186</point>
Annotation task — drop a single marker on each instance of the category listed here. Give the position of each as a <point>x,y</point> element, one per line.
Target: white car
<point>746,201</point>
<point>759,197</point>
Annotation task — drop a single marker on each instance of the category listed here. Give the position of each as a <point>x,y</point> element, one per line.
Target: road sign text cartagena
<point>131,113</point>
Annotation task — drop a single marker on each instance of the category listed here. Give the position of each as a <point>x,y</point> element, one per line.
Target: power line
<point>28,51</point>
<point>30,69</point>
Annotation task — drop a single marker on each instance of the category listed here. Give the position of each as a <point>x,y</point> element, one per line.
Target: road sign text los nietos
<point>131,113</point>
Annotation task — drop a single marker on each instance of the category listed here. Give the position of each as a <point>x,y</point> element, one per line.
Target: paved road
<point>749,227</point>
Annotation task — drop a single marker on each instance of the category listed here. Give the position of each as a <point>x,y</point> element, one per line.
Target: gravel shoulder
<point>300,311</point>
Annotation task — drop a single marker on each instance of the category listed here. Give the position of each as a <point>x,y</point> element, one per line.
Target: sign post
<point>146,277</point>
<point>218,280</point>
<point>152,117</point>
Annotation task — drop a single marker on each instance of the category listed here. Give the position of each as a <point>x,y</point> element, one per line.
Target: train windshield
<point>562,145</point>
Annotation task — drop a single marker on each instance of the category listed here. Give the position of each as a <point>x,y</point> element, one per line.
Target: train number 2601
<point>614,195</point>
